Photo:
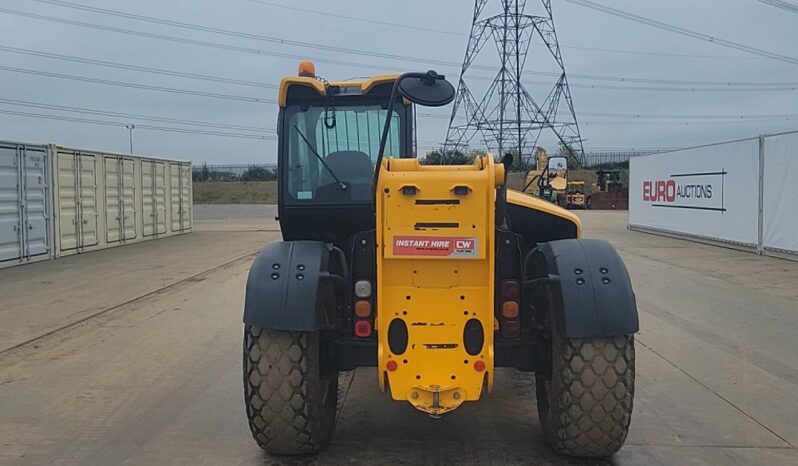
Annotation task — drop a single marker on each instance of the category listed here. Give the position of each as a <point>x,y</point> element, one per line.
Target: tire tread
<point>282,392</point>
<point>589,409</point>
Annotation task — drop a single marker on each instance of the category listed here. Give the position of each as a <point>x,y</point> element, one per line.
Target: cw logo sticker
<point>440,246</point>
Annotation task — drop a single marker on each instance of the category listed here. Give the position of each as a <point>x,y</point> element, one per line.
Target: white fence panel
<point>780,210</point>
<point>708,192</point>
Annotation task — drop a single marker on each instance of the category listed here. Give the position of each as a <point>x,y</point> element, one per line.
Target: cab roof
<point>354,87</point>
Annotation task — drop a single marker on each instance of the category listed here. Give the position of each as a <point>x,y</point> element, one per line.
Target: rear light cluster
<point>364,318</point>
<point>511,309</point>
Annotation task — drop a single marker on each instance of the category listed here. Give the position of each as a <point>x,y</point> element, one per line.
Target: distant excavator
<point>549,179</point>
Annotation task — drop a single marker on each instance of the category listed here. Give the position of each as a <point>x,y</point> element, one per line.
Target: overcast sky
<point>629,50</point>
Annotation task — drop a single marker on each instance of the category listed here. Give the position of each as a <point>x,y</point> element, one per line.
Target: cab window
<point>343,143</point>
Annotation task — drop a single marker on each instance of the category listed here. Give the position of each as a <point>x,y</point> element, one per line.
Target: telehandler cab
<point>435,275</point>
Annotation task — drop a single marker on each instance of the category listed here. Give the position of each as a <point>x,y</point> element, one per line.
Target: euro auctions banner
<point>709,192</point>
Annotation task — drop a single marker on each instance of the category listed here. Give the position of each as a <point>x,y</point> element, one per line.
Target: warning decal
<point>445,246</point>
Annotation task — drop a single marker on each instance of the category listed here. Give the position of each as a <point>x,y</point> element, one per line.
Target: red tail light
<point>391,365</point>
<point>363,328</point>
<point>479,365</point>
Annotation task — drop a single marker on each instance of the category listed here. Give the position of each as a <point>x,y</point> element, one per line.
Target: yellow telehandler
<point>575,197</point>
<point>435,275</point>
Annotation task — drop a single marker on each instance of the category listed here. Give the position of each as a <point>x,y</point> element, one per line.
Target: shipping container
<point>153,191</point>
<point>180,195</point>
<point>122,217</point>
<point>76,207</point>
<point>57,201</point>
<point>105,199</point>
<point>26,219</point>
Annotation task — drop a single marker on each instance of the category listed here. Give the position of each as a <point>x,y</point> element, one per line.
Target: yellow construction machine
<point>575,195</point>
<point>549,178</point>
<point>434,275</point>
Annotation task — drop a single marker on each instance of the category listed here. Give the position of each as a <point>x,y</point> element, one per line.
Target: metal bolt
<point>605,281</point>
<point>578,271</point>
<point>414,395</point>
<point>275,276</point>
<point>299,276</point>
<point>603,270</point>
<point>456,395</point>
<point>276,266</point>
<point>580,281</point>
<point>362,241</point>
<point>300,267</point>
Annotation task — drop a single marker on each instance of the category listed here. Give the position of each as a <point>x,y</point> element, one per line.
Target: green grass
<point>235,192</point>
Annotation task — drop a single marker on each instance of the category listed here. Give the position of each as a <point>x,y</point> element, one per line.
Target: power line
<point>680,82</point>
<point>272,101</point>
<point>463,35</point>
<point>683,123</point>
<point>148,127</point>
<point>89,111</point>
<point>656,54</point>
<point>684,32</point>
<point>355,18</point>
<point>181,40</point>
<point>660,116</point>
<point>138,86</point>
<point>633,149</point>
<point>229,32</point>
<point>674,89</point>
<point>783,5</point>
<point>691,117</point>
<point>126,66</point>
<point>271,39</point>
<point>354,51</point>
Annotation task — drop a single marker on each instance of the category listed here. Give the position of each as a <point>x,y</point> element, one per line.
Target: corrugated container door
<point>128,195</point>
<point>36,214</point>
<point>10,239</point>
<point>174,196</point>
<point>153,189</point>
<point>160,198</point>
<point>185,197</point>
<point>148,208</point>
<point>68,201</point>
<point>87,167</point>
<point>113,202</point>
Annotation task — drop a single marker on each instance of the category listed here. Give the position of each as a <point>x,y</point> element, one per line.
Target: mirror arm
<point>385,128</point>
<point>384,137</point>
<point>428,77</point>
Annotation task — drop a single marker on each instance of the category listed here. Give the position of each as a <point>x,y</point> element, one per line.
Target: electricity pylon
<point>508,118</point>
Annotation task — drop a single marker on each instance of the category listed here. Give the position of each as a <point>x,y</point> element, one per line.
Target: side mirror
<point>428,89</point>
<point>558,163</point>
<point>557,172</point>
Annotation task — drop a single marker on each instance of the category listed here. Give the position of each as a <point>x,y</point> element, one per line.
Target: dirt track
<point>128,356</point>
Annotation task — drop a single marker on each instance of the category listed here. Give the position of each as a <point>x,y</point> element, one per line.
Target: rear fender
<point>290,287</point>
<point>591,293</point>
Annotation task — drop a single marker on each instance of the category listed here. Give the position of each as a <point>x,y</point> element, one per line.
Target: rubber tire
<point>586,406</point>
<point>291,409</point>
